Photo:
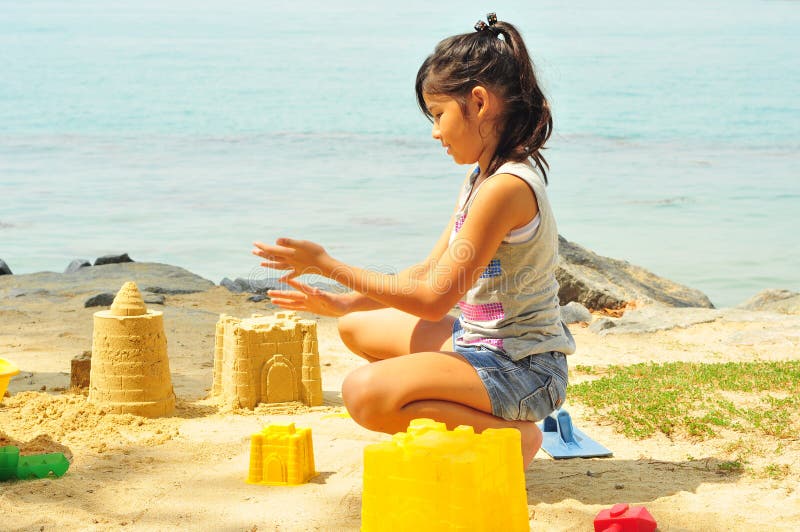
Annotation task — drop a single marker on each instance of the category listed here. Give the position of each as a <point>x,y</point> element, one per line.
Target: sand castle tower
<point>430,479</point>
<point>130,368</point>
<point>266,359</point>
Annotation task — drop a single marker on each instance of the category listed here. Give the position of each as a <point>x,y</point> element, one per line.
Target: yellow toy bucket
<point>7,370</point>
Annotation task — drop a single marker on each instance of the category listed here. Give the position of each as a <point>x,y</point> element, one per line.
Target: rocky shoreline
<point>586,280</point>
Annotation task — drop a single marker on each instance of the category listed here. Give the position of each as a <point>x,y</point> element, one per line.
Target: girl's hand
<point>298,256</point>
<point>309,299</point>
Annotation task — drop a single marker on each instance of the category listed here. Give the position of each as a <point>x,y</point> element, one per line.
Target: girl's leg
<point>387,333</point>
<point>387,395</point>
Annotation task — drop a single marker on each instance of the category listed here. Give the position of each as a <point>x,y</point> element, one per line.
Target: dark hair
<point>496,58</point>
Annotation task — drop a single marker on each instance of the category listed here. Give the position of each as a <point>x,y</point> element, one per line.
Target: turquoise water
<point>182,131</point>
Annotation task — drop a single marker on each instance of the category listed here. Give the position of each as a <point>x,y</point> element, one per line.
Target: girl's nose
<point>435,133</point>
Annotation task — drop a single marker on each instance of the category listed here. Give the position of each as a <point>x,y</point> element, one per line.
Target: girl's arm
<point>311,299</point>
<point>357,301</point>
<point>502,203</point>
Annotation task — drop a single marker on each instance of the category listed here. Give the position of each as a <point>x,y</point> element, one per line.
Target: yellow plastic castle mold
<point>130,369</point>
<point>432,479</point>
<point>266,359</point>
<point>281,455</point>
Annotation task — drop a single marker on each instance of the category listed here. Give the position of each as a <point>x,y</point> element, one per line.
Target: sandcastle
<point>281,455</point>
<point>429,478</point>
<point>130,369</point>
<point>266,359</point>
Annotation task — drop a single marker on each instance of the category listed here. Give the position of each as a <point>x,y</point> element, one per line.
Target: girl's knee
<point>358,394</point>
<point>365,398</point>
<point>345,325</point>
<point>348,326</point>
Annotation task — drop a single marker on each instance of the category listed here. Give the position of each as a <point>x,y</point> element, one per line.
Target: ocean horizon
<point>181,132</point>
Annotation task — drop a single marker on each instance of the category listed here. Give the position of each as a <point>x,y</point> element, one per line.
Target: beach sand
<point>188,471</point>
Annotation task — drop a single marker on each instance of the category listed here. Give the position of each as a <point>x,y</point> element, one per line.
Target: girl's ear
<point>480,97</point>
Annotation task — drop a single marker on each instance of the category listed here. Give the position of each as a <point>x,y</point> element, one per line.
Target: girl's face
<point>458,132</point>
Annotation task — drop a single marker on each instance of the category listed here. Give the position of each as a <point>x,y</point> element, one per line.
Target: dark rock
<point>254,286</point>
<point>781,301</point>
<point>168,291</point>
<point>231,286</point>
<point>574,312</point>
<point>107,298</point>
<point>4,269</point>
<point>112,259</point>
<point>153,299</point>
<point>108,278</point>
<point>602,324</point>
<point>244,285</point>
<point>258,286</point>
<point>600,282</point>
<point>257,298</point>
<point>80,368</point>
<point>76,265</point>
<point>100,300</point>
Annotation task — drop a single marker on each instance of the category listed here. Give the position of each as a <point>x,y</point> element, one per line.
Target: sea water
<point>181,132</point>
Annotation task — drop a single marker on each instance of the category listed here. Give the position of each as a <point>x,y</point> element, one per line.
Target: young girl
<point>502,362</point>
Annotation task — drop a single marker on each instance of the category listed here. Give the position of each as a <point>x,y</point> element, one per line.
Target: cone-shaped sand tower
<point>130,368</point>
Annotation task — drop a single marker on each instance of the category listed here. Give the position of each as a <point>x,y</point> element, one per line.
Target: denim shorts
<point>526,389</point>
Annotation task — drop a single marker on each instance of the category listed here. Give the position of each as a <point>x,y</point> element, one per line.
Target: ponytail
<point>496,57</point>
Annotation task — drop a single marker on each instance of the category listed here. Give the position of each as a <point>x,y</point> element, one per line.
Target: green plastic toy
<point>33,466</point>
<point>9,458</point>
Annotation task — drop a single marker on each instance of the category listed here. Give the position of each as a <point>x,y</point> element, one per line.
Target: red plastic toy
<point>624,518</point>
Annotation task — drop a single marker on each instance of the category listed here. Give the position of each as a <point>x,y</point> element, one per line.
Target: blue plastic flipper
<point>563,440</point>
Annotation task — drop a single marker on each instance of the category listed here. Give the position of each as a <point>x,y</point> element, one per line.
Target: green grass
<point>695,400</point>
<point>732,466</point>
<point>776,472</point>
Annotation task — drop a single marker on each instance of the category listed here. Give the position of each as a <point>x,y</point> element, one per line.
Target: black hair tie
<point>491,18</point>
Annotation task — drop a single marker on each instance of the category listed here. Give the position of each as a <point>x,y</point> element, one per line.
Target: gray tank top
<point>513,306</point>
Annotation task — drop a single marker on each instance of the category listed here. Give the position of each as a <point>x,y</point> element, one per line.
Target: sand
<point>188,471</point>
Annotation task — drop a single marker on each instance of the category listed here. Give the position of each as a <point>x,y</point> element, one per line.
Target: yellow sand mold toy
<point>281,455</point>
<point>7,370</point>
<point>429,478</point>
